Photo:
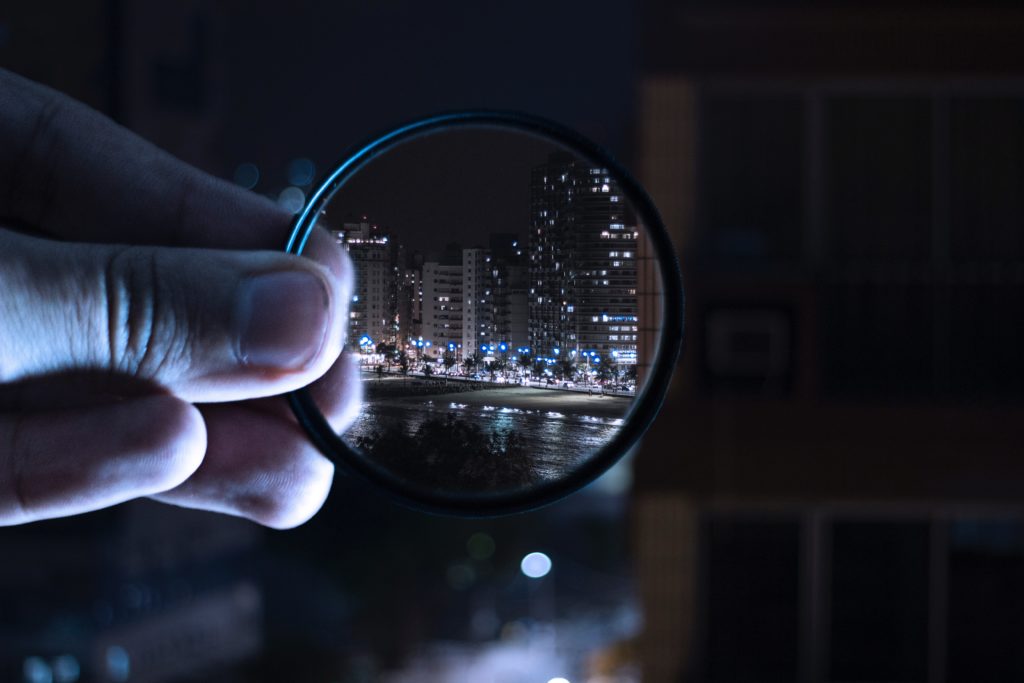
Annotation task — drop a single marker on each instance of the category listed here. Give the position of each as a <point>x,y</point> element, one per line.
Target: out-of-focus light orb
<point>535,565</point>
<point>291,199</point>
<point>119,664</point>
<point>66,669</point>
<point>36,670</point>
<point>460,576</point>
<point>480,546</point>
<point>559,679</point>
<point>301,171</point>
<point>247,175</point>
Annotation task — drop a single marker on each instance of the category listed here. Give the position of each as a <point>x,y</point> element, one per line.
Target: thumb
<point>209,325</point>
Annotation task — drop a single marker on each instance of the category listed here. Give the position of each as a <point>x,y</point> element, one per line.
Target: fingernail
<point>283,319</point>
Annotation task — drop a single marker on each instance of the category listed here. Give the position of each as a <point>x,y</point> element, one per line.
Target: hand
<point>142,330</point>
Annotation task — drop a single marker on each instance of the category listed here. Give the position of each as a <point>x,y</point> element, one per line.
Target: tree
<point>606,369</point>
<point>403,362</point>
<point>525,360</point>
<point>388,351</point>
<point>492,369</point>
<point>448,360</point>
<point>451,453</point>
<point>472,362</point>
<point>428,370</point>
<point>565,368</point>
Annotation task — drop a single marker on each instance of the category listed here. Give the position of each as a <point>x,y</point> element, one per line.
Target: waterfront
<point>558,428</point>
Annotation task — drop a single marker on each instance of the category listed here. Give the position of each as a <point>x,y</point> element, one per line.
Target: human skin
<point>149,323</point>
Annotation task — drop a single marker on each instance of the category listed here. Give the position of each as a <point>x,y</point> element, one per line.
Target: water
<point>560,441</point>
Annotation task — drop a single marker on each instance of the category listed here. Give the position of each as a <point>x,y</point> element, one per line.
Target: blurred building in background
<point>839,494</point>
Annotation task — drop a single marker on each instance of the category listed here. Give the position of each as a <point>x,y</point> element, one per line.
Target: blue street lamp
<point>503,347</point>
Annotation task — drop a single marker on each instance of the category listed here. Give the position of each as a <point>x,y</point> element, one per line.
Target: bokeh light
<point>535,565</point>
<point>247,175</point>
<point>301,172</point>
<point>460,576</point>
<point>480,546</point>
<point>291,199</point>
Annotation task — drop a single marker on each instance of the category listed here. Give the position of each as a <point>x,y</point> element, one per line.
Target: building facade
<point>837,464</point>
<point>582,262</point>
<point>372,311</point>
<point>442,305</point>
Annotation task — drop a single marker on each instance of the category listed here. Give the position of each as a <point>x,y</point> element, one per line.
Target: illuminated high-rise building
<point>495,308</point>
<point>478,300</point>
<point>442,307</point>
<point>582,262</point>
<point>372,309</point>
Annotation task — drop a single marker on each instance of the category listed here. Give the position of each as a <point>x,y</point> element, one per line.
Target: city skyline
<point>566,287</point>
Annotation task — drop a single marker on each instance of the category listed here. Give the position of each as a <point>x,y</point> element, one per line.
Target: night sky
<point>453,186</point>
<point>361,68</point>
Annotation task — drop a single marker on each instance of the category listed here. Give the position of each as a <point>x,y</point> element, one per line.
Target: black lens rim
<point>647,403</point>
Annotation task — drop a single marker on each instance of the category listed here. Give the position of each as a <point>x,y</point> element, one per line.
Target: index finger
<point>73,173</point>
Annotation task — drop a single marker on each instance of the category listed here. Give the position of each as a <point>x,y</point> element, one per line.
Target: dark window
<point>986,602</point>
<point>879,602</point>
<point>878,186</point>
<point>878,339</point>
<point>986,338</point>
<point>751,178</point>
<point>987,179</point>
<point>752,610</point>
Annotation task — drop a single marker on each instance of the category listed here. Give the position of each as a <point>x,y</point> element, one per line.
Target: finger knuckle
<point>147,323</point>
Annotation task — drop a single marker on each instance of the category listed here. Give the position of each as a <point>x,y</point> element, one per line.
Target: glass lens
<point>506,311</point>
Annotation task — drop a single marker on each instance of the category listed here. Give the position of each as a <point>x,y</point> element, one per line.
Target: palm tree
<point>471,362</point>
<point>565,368</point>
<point>448,360</point>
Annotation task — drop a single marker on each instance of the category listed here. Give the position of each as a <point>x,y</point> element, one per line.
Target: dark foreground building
<point>836,487</point>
